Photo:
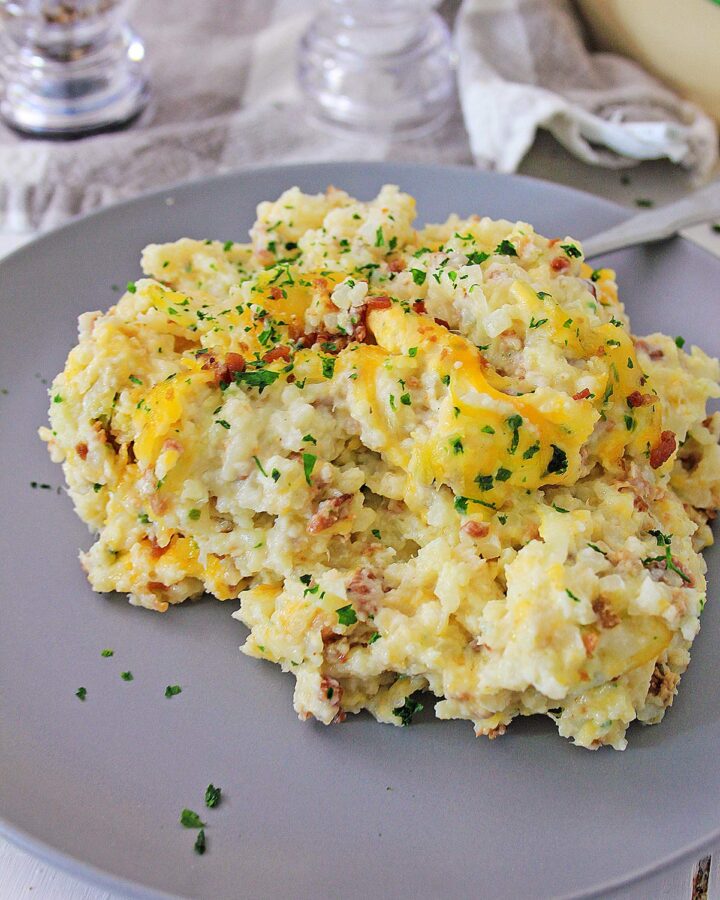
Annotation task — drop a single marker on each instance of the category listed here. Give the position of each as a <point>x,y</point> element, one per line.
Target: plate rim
<point>72,865</point>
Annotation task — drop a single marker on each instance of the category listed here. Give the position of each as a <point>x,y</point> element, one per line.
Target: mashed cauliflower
<point>423,460</point>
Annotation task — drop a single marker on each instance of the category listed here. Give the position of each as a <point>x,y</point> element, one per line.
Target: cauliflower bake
<point>422,460</point>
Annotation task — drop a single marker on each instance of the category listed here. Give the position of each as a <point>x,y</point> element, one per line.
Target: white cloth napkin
<point>523,65</point>
<point>225,96</point>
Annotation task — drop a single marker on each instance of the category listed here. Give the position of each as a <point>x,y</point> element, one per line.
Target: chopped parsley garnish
<point>309,460</point>
<point>131,287</point>
<point>375,636</point>
<point>406,712</point>
<point>57,399</point>
<point>457,445</point>
<point>379,237</point>
<point>309,439</point>
<point>559,461</point>
<point>560,509</point>
<point>97,487</point>
<point>506,248</point>
<point>376,533</point>
<point>461,504</point>
<point>228,245</point>
<point>144,518</point>
<point>484,482</point>
<point>306,579</point>
<point>275,475</point>
<point>679,342</point>
<point>328,366</point>
<point>172,690</point>
<point>597,549</point>
<point>543,295</point>
<point>531,450</point>
<point>418,276</point>
<point>595,275</point>
<point>260,466</point>
<point>412,352</point>
<point>200,842</point>
<point>259,378</point>
<point>135,379</point>
<point>445,379</point>
<point>190,819</point>
<point>126,676</point>
<point>405,400</point>
<point>107,652</point>
<point>487,429</point>
<point>571,250</point>
<point>212,796</point>
<point>479,257</point>
<point>194,514</point>
<point>665,541</point>
<point>536,324</point>
<point>612,343</point>
<point>571,595</point>
<point>515,423</point>
<point>502,474</point>
<point>81,693</point>
<point>629,422</point>
<point>223,422</point>
<point>346,615</point>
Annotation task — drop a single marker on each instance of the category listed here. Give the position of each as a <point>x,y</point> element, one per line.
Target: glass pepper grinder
<point>69,67</point>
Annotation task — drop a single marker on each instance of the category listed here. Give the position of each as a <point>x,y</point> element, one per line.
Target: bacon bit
<point>590,642</point>
<point>419,307</point>
<point>106,435</point>
<point>172,444</point>
<point>560,263</point>
<point>553,241</point>
<point>279,352</point>
<point>156,550</point>
<point>652,352</point>
<point>320,283</point>
<point>265,257</point>
<point>663,683</point>
<point>156,586</point>
<point>329,512</point>
<point>663,450</point>
<point>475,529</point>
<point>225,370</point>
<point>290,378</point>
<point>640,504</point>
<point>82,450</point>
<point>332,687</point>
<point>606,615</point>
<point>276,293</point>
<point>496,732</point>
<point>582,395</point>
<point>381,302</point>
<point>364,590</point>
<point>637,399</point>
<point>443,323</point>
<point>396,265</point>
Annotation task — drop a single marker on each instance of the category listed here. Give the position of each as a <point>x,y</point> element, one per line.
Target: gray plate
<point>354,811</point>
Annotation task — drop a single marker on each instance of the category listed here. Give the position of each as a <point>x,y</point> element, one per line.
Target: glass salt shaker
<point>70,67</point>
<point>378,66</point>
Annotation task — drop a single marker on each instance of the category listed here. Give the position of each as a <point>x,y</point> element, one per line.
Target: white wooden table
<point>21,875</point>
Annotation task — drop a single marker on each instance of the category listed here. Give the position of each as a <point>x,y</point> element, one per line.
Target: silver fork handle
<point>701,206</point>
